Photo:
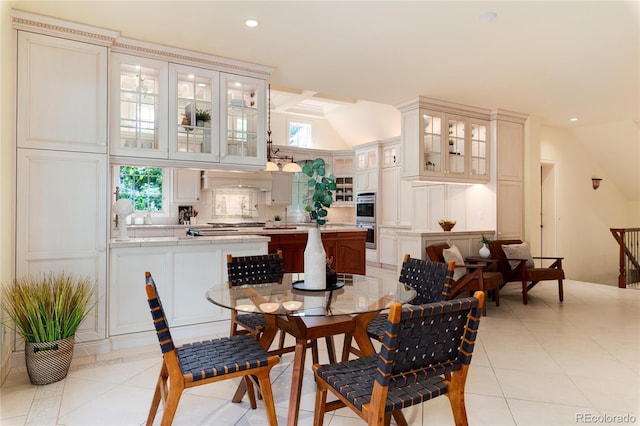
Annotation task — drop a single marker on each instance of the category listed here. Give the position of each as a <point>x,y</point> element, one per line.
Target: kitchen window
<point>144,186</point>
<point>300,133</point>
<point>300,192</point>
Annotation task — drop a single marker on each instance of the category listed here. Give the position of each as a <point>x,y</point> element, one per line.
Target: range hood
<point>260,181</point>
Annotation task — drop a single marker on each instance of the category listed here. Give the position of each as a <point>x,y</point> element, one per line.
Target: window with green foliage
<point>143,186</point>
<point>300,193</point>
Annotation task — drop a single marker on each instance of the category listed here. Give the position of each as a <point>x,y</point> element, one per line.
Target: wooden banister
<point>629,265</point>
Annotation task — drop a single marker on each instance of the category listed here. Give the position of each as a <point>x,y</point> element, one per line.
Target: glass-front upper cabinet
<point>455,146</point>
<point>479,149</point>
<point>194,119</point>
<point>433,142</point>
<point>138,106</point>
<point>242,121</point>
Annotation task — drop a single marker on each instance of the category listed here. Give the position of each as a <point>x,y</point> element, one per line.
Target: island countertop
<point>224,235</point>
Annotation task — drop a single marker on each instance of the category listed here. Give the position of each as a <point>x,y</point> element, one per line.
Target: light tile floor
<point>542,364</point>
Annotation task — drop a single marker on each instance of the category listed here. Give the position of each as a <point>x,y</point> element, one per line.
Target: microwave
<point>366,207</point>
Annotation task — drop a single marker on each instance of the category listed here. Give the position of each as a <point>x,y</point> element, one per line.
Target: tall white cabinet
<point>61,181</point>
<point>508,128</point>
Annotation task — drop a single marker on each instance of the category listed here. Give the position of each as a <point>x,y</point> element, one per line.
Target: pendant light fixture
<point>275,162</point>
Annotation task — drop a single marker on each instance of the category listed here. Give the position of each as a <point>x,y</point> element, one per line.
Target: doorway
<point>548,210</point>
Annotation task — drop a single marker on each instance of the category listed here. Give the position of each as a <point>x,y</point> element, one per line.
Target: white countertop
<point>174,241</point>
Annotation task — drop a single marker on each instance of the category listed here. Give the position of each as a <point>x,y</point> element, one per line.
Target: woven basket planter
<point>48,362</point>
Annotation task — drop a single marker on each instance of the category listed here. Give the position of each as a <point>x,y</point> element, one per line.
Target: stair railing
<point>629,242</point>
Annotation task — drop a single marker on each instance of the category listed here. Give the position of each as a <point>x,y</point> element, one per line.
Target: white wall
<point>324,136</point>
<point>7,164</point>
<point>584,215</point>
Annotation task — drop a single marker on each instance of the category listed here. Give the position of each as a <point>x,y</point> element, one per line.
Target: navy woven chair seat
<point>355,379</point>
<point>426,352</point>
<point>200,363</point>
<point>251,321</point>
<point>211,358</point>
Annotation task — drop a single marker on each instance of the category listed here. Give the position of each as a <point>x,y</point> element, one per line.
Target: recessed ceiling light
<point>488,16</point>
<point>573,119</point>
<point>251,23</point>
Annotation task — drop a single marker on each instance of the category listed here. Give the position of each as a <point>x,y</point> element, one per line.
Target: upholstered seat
<point>519,266</point>
<point>204,362</point>
<point>476,276</point>
<point>426,352</point>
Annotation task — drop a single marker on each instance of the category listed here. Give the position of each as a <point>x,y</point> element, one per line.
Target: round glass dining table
<point>309,314</point>
<point>353,294</point>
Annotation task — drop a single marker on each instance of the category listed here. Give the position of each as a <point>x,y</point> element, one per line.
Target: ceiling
<point>551,59</point>
<point>555,60</point>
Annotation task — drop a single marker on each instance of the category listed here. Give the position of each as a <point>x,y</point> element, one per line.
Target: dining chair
<point>426,352</point>
<point>467,277</point>
<point>251,270</point>
<point>430,280</point>
<point>199,363</point>
<point>516,264</point>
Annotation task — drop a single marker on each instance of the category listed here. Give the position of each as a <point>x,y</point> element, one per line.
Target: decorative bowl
<point>447,225</point>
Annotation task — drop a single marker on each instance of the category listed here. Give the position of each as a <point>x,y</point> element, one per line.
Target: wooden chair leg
<point>525,299</point>
<point>250,392</point>
<point>346,347</point>
<point>158,394</point>
<point>331,349</point>
<point>456,396</point>
<point>321,405</point>
<point>560,290</point>
<point>314,351</point>
<point>171,404</point>
<point>267,395</point>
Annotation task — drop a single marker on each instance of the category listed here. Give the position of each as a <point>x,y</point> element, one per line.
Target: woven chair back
<point>427,340</point>
<point>266,268</point>
<point>159,318</point>
<point>430,280</point>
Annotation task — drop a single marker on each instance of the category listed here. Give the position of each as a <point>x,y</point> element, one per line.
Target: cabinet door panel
<point>58,230</point>
<point>194,272</point>
<point>510,212</point>
<point>129,310</point>
<point>62,92</point>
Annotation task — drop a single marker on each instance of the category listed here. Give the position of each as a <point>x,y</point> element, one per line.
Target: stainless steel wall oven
<point>366,216</point>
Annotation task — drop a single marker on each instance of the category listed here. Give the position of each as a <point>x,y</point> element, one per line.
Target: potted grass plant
<point>46,311</point>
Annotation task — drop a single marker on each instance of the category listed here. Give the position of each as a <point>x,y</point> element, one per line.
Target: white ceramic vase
<point>484,251</point>
<point>315,261</point>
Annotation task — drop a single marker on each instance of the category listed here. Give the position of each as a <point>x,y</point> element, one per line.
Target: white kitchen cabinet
<point>443,141</point>
<point>61,225</point>
<point>139,107</point>
<point>391,155</point>
<point>367,173</point>
<point>186,185</point>
<point>194,118</point>
<point>510,150</point>
<point>388,245</point>
<point>510,210</point>
<point>508,132</point>
<point>182,273</point>
<point>242,123</point>
<point>397,196</point>
<point>62,92</point>
<point>343,170</point>
<point>281,188</point>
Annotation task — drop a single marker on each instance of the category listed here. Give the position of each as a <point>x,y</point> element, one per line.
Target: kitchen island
<point>185,266</point>
<point>345,244</point>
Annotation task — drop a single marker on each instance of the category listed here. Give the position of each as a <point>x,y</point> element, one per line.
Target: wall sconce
<point>596,182</point>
